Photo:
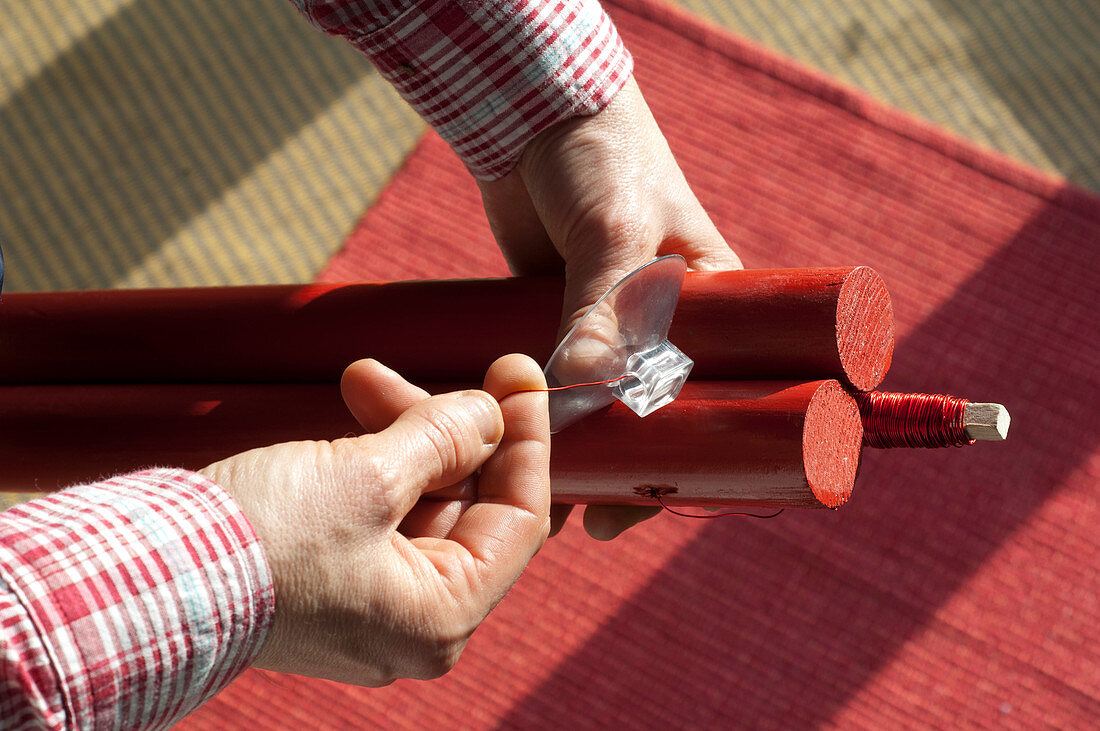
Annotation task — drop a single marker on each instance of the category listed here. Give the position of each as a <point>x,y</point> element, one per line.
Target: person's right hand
<point>597,197</point>
<point>370,584</point>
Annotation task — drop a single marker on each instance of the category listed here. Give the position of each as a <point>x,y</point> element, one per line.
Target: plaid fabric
<point>127,603</point>
<point>488,76</point>
<point>130,602</point>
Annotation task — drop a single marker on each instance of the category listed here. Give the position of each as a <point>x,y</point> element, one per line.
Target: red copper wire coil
<point>912,420</point>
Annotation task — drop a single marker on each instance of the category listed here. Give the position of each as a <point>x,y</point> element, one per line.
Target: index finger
<point>511,519</point>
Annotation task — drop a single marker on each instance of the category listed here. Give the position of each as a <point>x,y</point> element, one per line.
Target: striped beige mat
<point>189,142</point>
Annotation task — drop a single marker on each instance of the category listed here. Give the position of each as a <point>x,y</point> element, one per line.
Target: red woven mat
<point>958,587</point>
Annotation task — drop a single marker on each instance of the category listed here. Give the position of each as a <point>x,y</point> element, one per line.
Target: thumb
<point>593,270</point>
<point>437,442</point>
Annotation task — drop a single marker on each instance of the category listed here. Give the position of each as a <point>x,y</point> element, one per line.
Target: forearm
<point>488,75</point>
<point>128,602</point>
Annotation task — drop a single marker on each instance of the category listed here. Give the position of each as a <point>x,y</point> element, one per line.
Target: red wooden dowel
<point>741,443</point>
<point>781,323</point>
<point>761,444</point>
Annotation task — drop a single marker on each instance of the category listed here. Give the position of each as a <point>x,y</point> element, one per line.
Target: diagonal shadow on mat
<point>785,622</point>
<point>146,120</point>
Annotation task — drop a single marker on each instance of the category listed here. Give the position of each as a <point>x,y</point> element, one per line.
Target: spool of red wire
<point>913,420</point>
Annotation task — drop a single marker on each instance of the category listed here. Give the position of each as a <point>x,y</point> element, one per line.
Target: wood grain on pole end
<point>832,436</point>
<point>865,328</point>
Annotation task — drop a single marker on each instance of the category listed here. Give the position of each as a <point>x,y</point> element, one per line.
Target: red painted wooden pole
<point>740,443</point>
<point>782,323</point>
<point>763,444</point>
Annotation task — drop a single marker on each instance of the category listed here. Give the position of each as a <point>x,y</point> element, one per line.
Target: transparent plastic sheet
<point>620,348</point>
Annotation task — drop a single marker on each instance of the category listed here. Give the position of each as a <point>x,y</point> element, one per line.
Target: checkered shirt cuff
<point>127,603</point>
<point>488,76</point>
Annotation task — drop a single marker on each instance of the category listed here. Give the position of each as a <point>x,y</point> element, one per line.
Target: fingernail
<point>484,414</point>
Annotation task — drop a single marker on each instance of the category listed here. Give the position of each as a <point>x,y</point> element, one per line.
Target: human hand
<point>600,196</point>
<point>370,584</point>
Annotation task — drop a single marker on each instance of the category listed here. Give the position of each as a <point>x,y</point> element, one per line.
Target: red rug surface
<point>957,588</point>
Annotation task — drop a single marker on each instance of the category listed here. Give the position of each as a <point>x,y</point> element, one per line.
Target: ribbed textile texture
<point>957,588</point>
<point>169,143</point>
<point>159,143</point>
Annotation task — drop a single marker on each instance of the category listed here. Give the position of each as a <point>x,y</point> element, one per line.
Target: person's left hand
<point>373,582</point>
<point>599,196</point>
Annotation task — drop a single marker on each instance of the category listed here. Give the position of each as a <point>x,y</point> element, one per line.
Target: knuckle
<point>447,436</point>
<point>437,658</point>
<point>617,230</point>
<point>371,478</point>
<point>437,430</point>
<point>441,636</point>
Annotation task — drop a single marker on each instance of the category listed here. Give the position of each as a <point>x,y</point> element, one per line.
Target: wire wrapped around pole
<point>912,420</point>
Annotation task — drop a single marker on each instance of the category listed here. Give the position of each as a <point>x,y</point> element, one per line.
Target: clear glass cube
<point>655,378</point>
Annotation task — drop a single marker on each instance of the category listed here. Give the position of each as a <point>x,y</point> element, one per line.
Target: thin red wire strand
<point>572,385</point>
<point>715,515</point>
<point>916,420</point>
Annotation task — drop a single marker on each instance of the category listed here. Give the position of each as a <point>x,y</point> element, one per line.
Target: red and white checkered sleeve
<point>127,603</point>
<point>488,75</point>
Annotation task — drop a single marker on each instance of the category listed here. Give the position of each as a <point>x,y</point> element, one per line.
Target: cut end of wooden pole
<point>832,436</point>
<point>986,422</point>
<point>865,328</point>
